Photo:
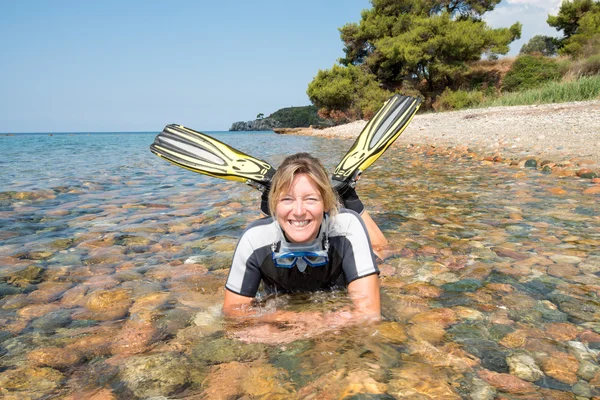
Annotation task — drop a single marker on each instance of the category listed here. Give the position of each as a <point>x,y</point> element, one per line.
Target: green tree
<point>580,22</point>
<point>426,42</point>
<point>346,93</point>
<point>539,44</point>
<point>260,116</point>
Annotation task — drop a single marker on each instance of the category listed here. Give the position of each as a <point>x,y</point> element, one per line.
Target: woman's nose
<point>299,207</point>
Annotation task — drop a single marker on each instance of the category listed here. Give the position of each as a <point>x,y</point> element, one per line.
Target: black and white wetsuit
<point>350,258</point>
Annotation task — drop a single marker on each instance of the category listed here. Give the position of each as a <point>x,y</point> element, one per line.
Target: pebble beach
<point>564,136</point>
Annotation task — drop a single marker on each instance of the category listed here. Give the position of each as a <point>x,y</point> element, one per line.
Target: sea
<point>113,261</point>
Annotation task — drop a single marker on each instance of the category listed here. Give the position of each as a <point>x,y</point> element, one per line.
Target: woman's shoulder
<point>345,221</point>
<point>261,231</point>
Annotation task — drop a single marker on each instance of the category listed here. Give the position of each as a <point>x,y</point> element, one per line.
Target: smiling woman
<point>306,245</point>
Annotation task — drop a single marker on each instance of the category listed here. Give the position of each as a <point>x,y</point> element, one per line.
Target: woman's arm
<point>378,240</point>
<point>364,293</point>
<point>235,305</point>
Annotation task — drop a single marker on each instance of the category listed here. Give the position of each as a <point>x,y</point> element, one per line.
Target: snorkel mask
<point>314,253</point>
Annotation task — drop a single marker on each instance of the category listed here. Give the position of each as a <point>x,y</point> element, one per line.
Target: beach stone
<point>584,389</point>
<point>506,382</point>
<point>55,357</point>
<point>222,350</point>
<point>592,190</point>
<point>583,309</point>
<point>52,321</point>
<point>156,374</point>
<point>562,367</point>
<point>38,381</point>
<point>393,332</point>
<point>588,370</point>
<point>561,331</point>
<point>136,336</point>
<point>523,366</point>
<point>465,285</point>
<point>422,289</point>
<point>563,270</point>
<point>9,290</point>
<point>95,394</point>
<point>480,390</point>
<point>48,292</point>
<point>109,304</point>
<point>235,380</point>
<point>27,276</point>
<point>586,173</point>
<point>74,297</point>
<point>530,163</point>
<point>565,259</point>
<point>420,382</point>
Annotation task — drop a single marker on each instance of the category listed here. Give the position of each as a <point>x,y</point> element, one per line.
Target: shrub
<point>586,67</point>
<point>529,72</point>
<point>455,100</point>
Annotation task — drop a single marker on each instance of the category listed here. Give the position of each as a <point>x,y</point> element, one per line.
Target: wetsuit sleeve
<point>358,260</point>
<point>244,275</point>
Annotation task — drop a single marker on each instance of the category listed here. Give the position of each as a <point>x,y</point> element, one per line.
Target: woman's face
<point>299,212</point>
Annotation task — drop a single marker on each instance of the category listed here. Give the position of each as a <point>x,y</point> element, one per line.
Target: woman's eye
<point>286,200</point>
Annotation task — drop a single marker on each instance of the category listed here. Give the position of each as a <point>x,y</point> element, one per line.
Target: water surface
<point>112,265</point>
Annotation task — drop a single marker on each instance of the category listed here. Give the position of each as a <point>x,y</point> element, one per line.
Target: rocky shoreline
<point>562,138</point>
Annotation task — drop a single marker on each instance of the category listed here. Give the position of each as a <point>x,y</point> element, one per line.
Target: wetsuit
<point>350,258</point>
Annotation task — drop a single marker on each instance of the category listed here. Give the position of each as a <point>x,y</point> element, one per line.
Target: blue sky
<point>90,66</point>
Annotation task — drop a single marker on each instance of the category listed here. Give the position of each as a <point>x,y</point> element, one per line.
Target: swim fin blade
<point>206,155</point>
<point>379,134</point>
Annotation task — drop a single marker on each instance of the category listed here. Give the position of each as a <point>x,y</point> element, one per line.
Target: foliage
<point>529,72</point>
<point>587,88</point>
<point>260,116</point>
<point>584,67</point>
<point>346,93</point>
<point>428,40</point>
<point>456,100</point>
<point>539,44</point>
<point>299,117</point>
<point>580,22</point>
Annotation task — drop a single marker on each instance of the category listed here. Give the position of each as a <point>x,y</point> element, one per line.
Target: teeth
<point>299,223</point>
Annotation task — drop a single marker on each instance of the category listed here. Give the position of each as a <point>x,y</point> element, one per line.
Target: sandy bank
<point>563,133</point>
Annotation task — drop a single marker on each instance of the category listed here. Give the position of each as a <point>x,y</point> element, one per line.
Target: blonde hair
<point>302,163</point>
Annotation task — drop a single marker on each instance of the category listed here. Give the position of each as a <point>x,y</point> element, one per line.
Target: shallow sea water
<point>112,265</point>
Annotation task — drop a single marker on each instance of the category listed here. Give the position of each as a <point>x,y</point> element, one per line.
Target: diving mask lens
<point>290,259</point>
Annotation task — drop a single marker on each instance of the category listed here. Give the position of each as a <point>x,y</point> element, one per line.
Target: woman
<point>307,244</point>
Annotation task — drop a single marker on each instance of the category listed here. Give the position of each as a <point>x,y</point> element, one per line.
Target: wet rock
<point>52,321</point>
<point>393,332</point>
<point>48,292</point>
<point>27,276</point>
<point>248,380</point>
<point>9,290</point>
<point>503,252</point>
<point>562,367</point>
<point>561,331</point>
<point>74,297</point>
<point>480,390</point>
<point>491,355</point>
<point>565,259</point>
<point>523,366</point>
<point>108,305</point>
<point>551,383</point>
<point>586,173</point>
<point>55,357</point>
<point>420,382</point>
<point>156,374</point>
<point>223,350</point>
<point>30,381</point>
<point>588,370</point>
<point>549,312</point>
<point>468,331</point>
<point>582,309</point>
<point>465,285</point>
<point>506,382</point>
<point>563,271</point>
<point>584,389</point>
<point>136,337</point>
<point>498,331</point>
<point>592,190</point>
